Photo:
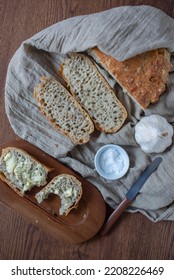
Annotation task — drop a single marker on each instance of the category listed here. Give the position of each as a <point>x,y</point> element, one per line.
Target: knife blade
<point>130,195</point>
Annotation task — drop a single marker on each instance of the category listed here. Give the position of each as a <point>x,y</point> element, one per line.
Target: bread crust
<point>143,77</point>
<point>70,87</point>
<point>56,126</point>
<point>45,190</point>
<point>2,176</point>
<point>12,186</point>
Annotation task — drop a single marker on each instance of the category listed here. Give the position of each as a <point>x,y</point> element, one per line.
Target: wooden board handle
<point>115,215</point>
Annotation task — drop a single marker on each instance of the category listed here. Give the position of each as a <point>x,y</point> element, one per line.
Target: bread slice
<point>92,91</point>
<point>63,111</point>
<point>21,171</point>
<point>67,187</point>
<point>143,77</point>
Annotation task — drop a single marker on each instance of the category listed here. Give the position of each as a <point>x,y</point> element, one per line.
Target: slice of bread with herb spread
<point>21,171</point>
<point>67,187</point>
<point>93,93</point>
<point>63,111</point>
<point>143,77</point>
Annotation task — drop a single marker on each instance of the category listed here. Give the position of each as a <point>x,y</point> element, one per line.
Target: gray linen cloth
<point>121,32</point>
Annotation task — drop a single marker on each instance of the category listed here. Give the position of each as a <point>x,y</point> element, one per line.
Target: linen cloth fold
<point>121,32</point>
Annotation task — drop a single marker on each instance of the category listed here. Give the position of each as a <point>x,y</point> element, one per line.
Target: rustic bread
<point>21,171</point>
<point>67,187</point>
<point>94,94</point>
<point>143,77</point>
<point>63,111</point>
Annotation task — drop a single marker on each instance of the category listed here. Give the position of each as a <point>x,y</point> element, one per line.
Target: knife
<point>131,194</point>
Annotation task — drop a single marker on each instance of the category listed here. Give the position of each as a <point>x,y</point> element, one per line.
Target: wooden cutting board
<point>79,225</point>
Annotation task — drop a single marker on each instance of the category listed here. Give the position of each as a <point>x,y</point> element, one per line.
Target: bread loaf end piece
<point>142,77</point>
<point>67,187</point>
<point>21,171</point>
<point>92,91</point>
<point>63,111</point>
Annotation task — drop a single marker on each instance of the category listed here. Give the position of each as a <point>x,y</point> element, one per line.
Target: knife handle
<point>115,215</point>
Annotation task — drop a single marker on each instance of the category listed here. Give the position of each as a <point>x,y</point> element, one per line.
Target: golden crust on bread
<point>143,77</point>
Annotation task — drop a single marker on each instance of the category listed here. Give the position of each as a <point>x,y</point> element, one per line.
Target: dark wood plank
<point>79,225</point>
<point>134,236</point>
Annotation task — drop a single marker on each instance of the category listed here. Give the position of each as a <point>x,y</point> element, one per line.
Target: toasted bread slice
<point>143,77</point>
<point>67,187</point>
<point>63,111</point>
<point>93,93</point>
<point>21,171</point>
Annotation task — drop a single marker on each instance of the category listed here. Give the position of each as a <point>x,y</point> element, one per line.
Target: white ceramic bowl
<point>111,162</point>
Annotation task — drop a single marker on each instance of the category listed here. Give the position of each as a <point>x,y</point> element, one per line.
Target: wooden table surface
<point>134,236</point>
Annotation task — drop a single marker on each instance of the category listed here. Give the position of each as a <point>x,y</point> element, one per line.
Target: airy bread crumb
<point>63,111</point>
<point>93,93</point>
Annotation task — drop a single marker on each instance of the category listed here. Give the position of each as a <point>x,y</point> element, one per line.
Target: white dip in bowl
<point>111,162</point>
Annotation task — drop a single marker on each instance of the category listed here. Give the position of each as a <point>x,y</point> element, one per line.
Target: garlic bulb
<point>153,133</point>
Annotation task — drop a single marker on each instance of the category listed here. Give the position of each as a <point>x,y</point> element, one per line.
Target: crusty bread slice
<point>21,171</point>
<point>63,111</point>
<point>67,187</point>
<point>143,77</point>
<point>93,93</point>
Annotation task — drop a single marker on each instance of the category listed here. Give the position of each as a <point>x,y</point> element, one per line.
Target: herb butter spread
<point>22,171</point>
<point>67,187</point>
